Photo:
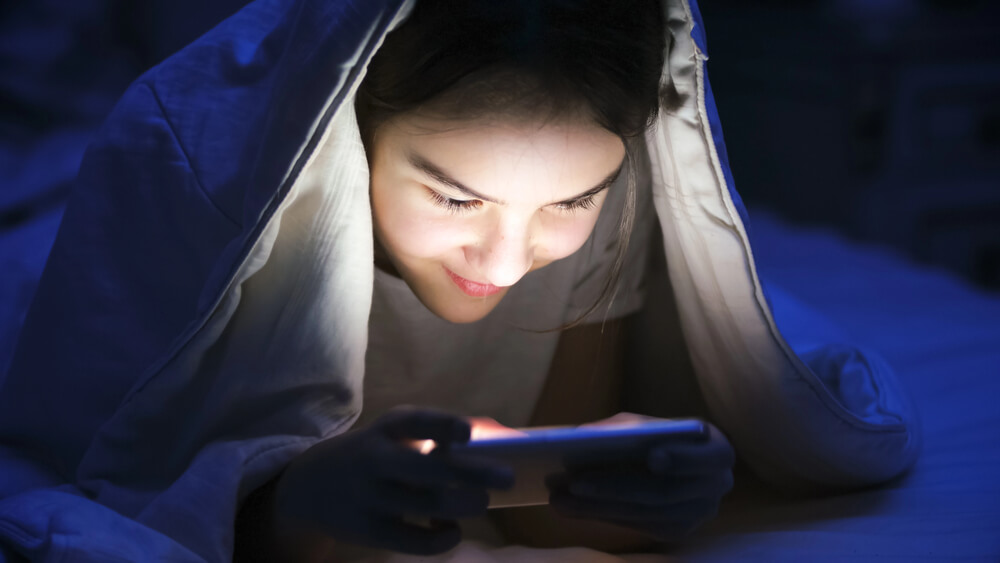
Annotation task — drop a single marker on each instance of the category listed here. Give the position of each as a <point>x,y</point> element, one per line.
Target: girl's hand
<point>367,486</point>
<point>678,490</point>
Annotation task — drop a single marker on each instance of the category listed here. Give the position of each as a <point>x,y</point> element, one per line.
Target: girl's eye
<point>580,204</point>
<point>454,205</point>
<point>458,205</point>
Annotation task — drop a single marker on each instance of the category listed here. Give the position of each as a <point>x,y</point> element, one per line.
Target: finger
<point>642,488</point>
<point>685,460</point>
<point>484,472</point>
<point>397,535</point>
<point>449,503</point>
<point>679,458</point>
<point>421,424</point>
<point>408,466</point>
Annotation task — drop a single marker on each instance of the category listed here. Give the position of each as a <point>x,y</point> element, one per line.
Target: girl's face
<point>463,210</point>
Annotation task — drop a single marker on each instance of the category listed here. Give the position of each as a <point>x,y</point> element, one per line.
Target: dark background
<point>878,118</point>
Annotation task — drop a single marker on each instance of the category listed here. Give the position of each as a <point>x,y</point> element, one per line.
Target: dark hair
<point>525,58</point>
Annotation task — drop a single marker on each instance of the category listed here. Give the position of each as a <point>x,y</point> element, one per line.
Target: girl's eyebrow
<point>432,170</point>
<point>600,187</point>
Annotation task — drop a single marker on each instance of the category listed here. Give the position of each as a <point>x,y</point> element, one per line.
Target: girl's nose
<point>506,253</point>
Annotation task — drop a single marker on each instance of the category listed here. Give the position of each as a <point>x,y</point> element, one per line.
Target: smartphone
<point>536,453</point>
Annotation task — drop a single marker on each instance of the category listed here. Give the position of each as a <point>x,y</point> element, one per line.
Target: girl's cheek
<point>563,237</point>
<point>407,220</point>
<point>425,235</point>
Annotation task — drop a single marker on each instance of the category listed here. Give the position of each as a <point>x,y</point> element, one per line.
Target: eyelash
<point>454,205</point>
<point>581,204</point>
<point>460,205</point>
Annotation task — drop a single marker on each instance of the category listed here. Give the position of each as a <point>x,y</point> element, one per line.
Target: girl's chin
<point>460,308</point>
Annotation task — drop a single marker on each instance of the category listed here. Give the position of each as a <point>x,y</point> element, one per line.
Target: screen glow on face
<point>463,210</point>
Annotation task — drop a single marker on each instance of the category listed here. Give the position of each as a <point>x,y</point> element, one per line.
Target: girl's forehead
<point>506,137</point>
<point>523,161</point>
<point>430,122</point>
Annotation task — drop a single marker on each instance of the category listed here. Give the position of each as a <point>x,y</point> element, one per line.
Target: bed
<point>942,336</point>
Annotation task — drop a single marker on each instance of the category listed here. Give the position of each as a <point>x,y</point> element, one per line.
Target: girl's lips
<point>472,288</point>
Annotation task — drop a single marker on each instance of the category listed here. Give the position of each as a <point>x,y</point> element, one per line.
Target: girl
<point>323,210</point>
<point>503,145</point>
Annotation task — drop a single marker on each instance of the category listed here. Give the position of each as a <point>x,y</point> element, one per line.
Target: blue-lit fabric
<point>861,379</point>
<point>802,416</point>
<point>129,428</point>
<point>941,335</point>
<point>172,193</point>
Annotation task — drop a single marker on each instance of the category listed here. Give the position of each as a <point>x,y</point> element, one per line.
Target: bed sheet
<point>942,336</point>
